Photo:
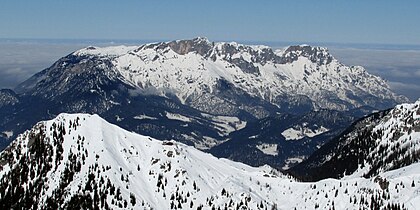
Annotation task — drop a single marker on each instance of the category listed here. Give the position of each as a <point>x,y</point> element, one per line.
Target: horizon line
<point>357,45</point>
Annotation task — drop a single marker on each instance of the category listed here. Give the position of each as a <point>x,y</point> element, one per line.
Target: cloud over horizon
<point>19,61</point>
<point>401,68</point>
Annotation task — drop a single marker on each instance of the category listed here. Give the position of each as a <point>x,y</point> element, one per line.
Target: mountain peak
<point>201,39</point>
<point>200,45</point>
<point>319,55</point>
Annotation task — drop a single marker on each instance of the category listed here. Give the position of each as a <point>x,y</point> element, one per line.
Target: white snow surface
<point>8,134</point>
<point>294,161</point>
<point>399,129</point>
<point>144,117</point>
<point>136,162</point>
<point>162,70</point>
<point>268,149</point>
<point>179,117</point>
<point>225,124</point>
<point>300,132</point>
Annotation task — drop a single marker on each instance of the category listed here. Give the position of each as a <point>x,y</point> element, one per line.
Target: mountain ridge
<point>81,161</point>
<point>379,142</point>
<point>190,69</point>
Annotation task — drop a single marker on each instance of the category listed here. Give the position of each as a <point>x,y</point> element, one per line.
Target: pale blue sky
<point>389,29</point>
<point>342,21</point>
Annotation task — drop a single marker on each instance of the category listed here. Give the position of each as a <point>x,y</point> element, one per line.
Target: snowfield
<point>225,124</point>
<point>301,132</point>
<point>269,149</point>
<point>144,117</point>
<point>179,117</point>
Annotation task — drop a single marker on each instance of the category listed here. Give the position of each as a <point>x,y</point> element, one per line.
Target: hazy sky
<point>401,67</point>
<point>345,21</point>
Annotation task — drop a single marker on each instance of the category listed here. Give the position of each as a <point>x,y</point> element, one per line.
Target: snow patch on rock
<point>268,149</point>
<point>179,117</point>
<point>144,117</point>
<point>300,132</point>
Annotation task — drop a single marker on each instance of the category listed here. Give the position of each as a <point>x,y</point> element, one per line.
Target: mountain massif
<point>302,126</point>
<point>205,94</point>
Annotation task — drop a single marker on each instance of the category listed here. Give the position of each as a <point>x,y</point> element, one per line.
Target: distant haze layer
<point>400,67</point>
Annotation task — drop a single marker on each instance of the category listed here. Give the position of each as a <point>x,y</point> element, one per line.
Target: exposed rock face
<point>198,45</point>
<point>317,55</point>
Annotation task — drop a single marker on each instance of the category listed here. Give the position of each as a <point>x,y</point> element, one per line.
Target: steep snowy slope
<point>81,161</point>
<point>380,142</point>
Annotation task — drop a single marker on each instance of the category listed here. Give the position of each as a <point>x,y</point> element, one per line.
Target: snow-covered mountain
<point>81,161</point>
<point>194,71</point>
<point>208,76</point>
<point>380,142</point>
<point>197,92</point>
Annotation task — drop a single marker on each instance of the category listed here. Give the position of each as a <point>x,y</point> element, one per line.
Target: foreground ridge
<point>81,161</point>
